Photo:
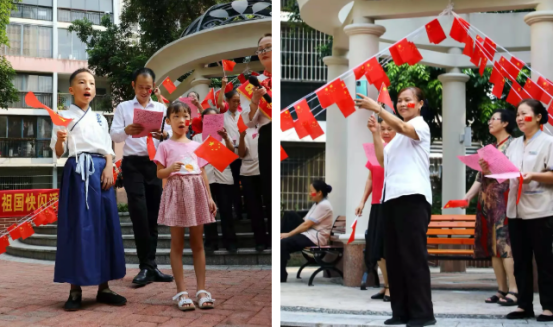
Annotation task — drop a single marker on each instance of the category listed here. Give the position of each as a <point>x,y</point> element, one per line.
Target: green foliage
<point>122,208</point>
<point>6,7</point>
<point>8,93</point>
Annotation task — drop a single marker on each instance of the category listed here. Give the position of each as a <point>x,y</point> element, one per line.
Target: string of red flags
<point>480,48</point>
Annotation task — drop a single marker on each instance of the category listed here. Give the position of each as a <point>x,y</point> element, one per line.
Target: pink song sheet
<point>369,149</point>
<point>150,121</point>
<point>193,109</point>
<point>498,162</point>
<point>472,161</point>
<point>212,124</point>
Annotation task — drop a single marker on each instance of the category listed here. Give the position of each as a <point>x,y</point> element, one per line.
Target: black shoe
<point>73,302</point>
<point>260,248</point>
<point>520,315</point>
<point>111,298</point>
<point>421,323</point>
<point>386,298</point>
<point>396,321</point>
<point>378,296</point>
<point>144,277</point>
<point>161,277</point>
<point>544,318</point>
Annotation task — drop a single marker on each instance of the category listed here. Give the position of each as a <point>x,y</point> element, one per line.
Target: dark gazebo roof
<point>230,13</point>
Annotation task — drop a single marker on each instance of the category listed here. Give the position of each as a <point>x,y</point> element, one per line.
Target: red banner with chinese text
<point>18,203</point>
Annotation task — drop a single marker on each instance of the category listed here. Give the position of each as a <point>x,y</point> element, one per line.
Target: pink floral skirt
<point>184,202</point>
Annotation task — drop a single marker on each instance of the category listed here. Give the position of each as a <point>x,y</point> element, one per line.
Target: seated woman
<point>315,230</point>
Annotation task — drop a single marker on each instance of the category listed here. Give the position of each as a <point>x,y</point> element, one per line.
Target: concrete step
<point>244,256</point>
<point>244,240</point>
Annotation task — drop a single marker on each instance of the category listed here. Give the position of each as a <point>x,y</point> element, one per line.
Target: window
<point>3,126</point>
<point>44,128</point>
<point>14,126</point>
<point>44,3</point>
<point>32,12</point>
<point>29,127</point>
<point>29,40</point>
<point>70,46</point>
<point>41,85</point>
<point>28,136</point>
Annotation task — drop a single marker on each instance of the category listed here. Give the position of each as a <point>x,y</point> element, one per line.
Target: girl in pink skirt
<point>186,202</point>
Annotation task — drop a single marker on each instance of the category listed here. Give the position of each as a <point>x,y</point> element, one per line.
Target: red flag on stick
<point>229,87</point>
<point>150,147</point>
<point>384,97</point>
<point>169,86</point>
<point>240,124</point>
<point>215,153</point>
<point>32,101</point>
<point>353,234</point>
<point>514,97</point>
<point>228,65</point>
<point>435,33</point>
<point>287,122</point>
<point>456,203</point>
<point>283,154</point>
<point>210,96</point>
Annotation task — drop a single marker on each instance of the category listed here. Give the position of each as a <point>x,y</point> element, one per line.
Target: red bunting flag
<point>514,97</point>
<point>313,128</point>
<point>346,103</point>
<point>468,49</point>
<point>476,57</point>
<point>384,97</point>
<point>14,232</point>
<point>490,48</point>
<point>353,233</point>
<point>498,88</point>
<point>40,218</point>
<point>395,51</point>
<point>459,29</point>
<point>378,83</point>
<point>483,65</point>
<point>240,124</point>
<point>229,87</point>
<point>512,67</point>
<point>300,130</point>
<point>25,230</point>
<point>550,114</point>
<point>531,90</point>
<point>496,74</point>
<point>414,56</point>
<point>228,65</point>
<point>32,101</point>
<point>326,94</point>
<point>150,147</point>
<point>373,70</point>
<point>435,33</point>
<point>302,109</point>
<point>456,203</point>
<point>242,78</point>
<point>287,122</point>
<point>169,86</point>
<point>215,153</point>
<point>546,87</point>
<point>283,154</point>
<point>50,214</point>
<point>4,242</point>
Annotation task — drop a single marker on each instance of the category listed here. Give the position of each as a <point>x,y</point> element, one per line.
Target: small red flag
<point>395,53</point>
<point>384,97</point>
<point>456,203</point>
<point>210,96</point>
<point>483,65</point>
<point>14,232</point>
<point>458,31</point>
<point>313,128</point>
<point>229,87</point>
<point>169,86</point>
<point>353,233</point>
<point>490,48</point>
<point>520,186</point>
<point>150,147</point>
<point>300,130</point>
<point>164,99</point>
<point>435,33</point>
<point>498,88</point>
<point>378,83</point>
<point>215,153</point>
<point>32,101</point>
<point>531,90</point>
<point>287,122</point>
<point>228,65</point>
<point>550,114</point>
<point>496,74</point>
<point>4,241</point>
<point>50,214</point>
<point>254,74</point>
<point>302,110</point>
<point>242,78</point>
<point>40,219</point>
<point>25,230</point>
<point>346,103</point>
<point>413,55</point>
<point>468,49</point>
<point>373,70</point>
<point>512,67</point>
<point>476,57</point>
<point>283,154</point>
<point>546,87</point>
<point>240,124</point>
<point>326,94</point>
<point>514,97</point>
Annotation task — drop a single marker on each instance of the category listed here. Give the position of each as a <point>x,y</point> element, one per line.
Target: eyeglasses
<point>494,119</point>
<point>263,51</point>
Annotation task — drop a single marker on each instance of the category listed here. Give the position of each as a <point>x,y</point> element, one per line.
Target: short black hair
<point>507,116</point>
<point>320,185</point>
<point>176,107</point>
<point>231,93</point>
<point>207,110</point>
<point>143,71</point>
<point>537,107</point>
<point>77,72</point>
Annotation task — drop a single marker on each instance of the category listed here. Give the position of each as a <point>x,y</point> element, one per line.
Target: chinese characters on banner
<point>18,203</point>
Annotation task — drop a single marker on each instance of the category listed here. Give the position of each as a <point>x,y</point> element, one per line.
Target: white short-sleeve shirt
<point>214,176</point>
<point>536,198</point>
<point>250,164</point>
<point>231,126</point>
<point>259,118</point>
<point>322,215</point>
<point>87,133</point>
<point>407,164</point>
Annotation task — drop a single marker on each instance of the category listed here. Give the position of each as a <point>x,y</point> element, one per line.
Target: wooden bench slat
<point>450,251</point>
<point>326,247</point>
<point>340,224</point>
<point>450,241</point>
<point>470,218</point>
<point>452,224</point>
<point>451,232</point>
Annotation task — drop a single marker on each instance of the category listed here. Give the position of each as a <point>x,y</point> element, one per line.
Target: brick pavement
<point>28,297</point>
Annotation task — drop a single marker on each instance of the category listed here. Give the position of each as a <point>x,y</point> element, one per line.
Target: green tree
<point>116,52</point>
<point>8,93</point>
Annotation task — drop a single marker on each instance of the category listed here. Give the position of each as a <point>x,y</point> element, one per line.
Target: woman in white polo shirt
<point>530,220</point>
<point>252,186</point>
<point>406,206</point>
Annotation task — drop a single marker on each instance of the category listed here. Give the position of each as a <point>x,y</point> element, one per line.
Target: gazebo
<point>362,28</point>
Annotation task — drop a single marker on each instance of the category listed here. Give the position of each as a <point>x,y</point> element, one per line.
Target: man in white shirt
<point>144,189</point>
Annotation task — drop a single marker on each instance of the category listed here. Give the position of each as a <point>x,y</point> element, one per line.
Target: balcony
<point>32,12</point>
<point>70,15</point>
<point>25,148</point>
<point>100,103</point>
<point>45,98</point>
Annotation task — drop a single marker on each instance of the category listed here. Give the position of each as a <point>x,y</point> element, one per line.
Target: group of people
<point>508,230</point>
<point>89,242</point>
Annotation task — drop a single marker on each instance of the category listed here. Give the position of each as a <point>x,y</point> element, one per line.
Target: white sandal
<point>181,301</point>
<point>205,300</point>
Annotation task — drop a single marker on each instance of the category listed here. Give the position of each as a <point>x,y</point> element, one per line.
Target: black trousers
<point>290,245</point>
<point>144,191</point>
<point>530,237</point>
<point>237,194</point>
<point>252,187</point>
<point>264,157</point>
<point>406,222</point>
<point>222,195</point>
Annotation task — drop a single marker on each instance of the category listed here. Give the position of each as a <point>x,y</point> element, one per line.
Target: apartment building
<point>44,54</point>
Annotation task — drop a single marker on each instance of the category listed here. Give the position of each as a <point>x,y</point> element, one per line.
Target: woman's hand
<point>106,179</point>
<point>158,94</point>
<point>211,205</point>
<point>285,235</point>
<point>223,82</point>
<point>175,167</point>
<point>258,94</point>
<point>367,103</point>
<point>373,125</point>
<point>359,209</point>
<point>223,133</point>
<point>243,134</point>
<point>62,135</point>
<point>468,200</point>
<point>527,177</point>
<point>484,167</point>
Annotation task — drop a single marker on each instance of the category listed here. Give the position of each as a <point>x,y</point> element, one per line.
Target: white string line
<point>29,217</point>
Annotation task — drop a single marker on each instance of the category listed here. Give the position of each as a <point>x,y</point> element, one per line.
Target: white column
<point>202,86</point>
<point>335,152</point>
<point>453,124</point>
<point>540,23</point>
<point>363,43</point>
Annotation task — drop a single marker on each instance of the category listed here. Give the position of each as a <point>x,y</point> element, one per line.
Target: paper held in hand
<point>149,120</point>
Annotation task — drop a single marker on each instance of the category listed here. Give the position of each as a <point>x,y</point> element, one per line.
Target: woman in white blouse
<point>407,206</point>
<point>530,219</point>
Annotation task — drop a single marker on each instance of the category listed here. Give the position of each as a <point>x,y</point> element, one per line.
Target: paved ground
<point>28,297</point>
<point>458,300</point>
